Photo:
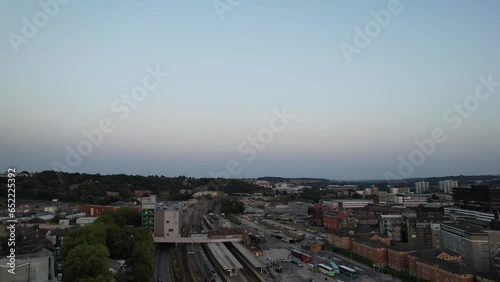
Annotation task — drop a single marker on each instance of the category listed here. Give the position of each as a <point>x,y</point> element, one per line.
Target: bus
<point>303,257</point>
<point>348,271</point>
<point>311,267</point>
<point>335,267</point>
<point>326,270</point>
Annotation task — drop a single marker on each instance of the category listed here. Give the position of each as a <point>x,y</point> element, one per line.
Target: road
<point>294,273</point>
<point>162,262</point>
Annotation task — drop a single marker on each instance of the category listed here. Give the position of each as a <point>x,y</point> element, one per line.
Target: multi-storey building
<point>397,255</point>
<point>421,187</point>
<point>167,220</point>
<point>96,210</point>
<point>373,247</point>
<point>457,213</point>
<point>419,230</point>
<point>335,219</point>
<point>439,265</point>
<point>148,212</point>
<point>477,247</point>
<point>387,221</point>
<point>342,238</point>
<point>479,198</point>
<point>447,185</point>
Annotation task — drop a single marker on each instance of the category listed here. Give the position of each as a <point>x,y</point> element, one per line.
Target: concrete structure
<point>213,194</point>
<point>85,220</point>
<point>447,185</point>
<point>477,247</point>
<point>399,189</point>
<point>263,183</point>
<point>37,267</point>
<point>388,223</point>
<point>167,220</point>
<point>148,212</point>
<point>456,213</point>
<point>436,235</point>
<point>421,187</point>
<point>75,215</point>
<point>418,230</point>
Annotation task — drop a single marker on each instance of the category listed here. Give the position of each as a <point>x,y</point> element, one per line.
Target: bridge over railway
<point>195,240</point>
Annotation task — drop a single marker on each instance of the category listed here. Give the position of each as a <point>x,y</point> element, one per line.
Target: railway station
<point>225,258</point>
<point>256,263</point>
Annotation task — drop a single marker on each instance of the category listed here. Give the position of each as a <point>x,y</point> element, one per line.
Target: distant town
<point>92,227</point>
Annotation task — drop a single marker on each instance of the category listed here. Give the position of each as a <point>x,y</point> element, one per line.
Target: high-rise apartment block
<point>421,187</point>
<point>447,185</point>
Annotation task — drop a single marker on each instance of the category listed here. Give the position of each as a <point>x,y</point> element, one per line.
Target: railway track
<point>247,274</point>
<point>251,273</point>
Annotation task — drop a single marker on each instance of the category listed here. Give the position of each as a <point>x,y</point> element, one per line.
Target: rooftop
<point>402,247</point>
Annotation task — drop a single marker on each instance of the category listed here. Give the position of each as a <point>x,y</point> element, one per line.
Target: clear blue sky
<point>226,77</point>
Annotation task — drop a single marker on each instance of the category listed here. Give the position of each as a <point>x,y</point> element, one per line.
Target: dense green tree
<point>131,215</point>
<point>92,234</point>
<point>86,261</point>
<point>118,242</point>
<point>125,193</point>
<point>109,218</point>
<point>233,206</point>
<point>99,278</point>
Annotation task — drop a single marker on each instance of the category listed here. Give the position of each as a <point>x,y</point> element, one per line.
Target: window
<point>168,221</point>
<point>170,230</point>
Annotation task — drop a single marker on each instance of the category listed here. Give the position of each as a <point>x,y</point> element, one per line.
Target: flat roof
<point>249,256</point>
<point>224,257</point>
<point>46,217</point>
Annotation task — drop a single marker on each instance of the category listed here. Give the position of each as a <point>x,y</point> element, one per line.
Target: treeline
<point>231,186</point>
<point>114,235</point>
<point>91,188</point>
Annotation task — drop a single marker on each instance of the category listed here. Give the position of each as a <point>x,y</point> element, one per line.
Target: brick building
<point>439,265</point>
<point>338,219</point>
<point>96,210</point>
<point>342,238</point>
<point>397,255</point>
<point>373,247</point>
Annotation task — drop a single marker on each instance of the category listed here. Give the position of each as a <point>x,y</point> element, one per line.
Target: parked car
<point>298,263</point>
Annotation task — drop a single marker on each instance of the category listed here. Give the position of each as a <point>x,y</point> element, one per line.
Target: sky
<point>243,89</point>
